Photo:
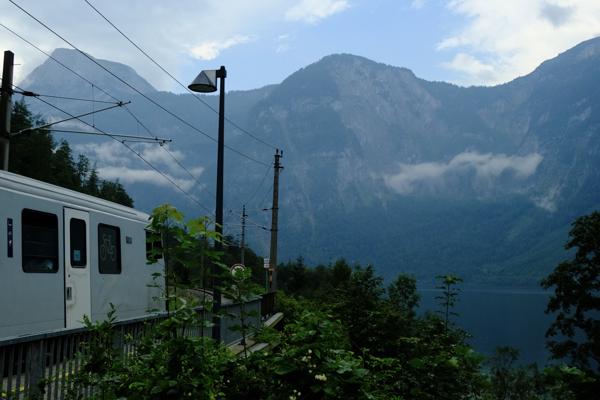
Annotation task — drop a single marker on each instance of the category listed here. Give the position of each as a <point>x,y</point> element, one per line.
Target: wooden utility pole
<point>243,244</point>
<point>6,108</point>
<point>274,219</point>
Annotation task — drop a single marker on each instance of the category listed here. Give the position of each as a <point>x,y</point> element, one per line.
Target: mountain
<point>386,168</point>
<point>53,78</point>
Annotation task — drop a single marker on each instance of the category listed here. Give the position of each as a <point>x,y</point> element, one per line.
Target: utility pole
<point>274,219</point>
<point>242,245</point>
<point>6,108</point>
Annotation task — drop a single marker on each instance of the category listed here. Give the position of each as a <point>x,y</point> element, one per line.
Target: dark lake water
<point>495,318</point>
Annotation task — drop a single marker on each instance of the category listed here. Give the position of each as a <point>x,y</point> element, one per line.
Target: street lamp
<point>206,82</point>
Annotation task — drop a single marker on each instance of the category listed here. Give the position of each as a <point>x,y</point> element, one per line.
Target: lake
<point>500,317</point>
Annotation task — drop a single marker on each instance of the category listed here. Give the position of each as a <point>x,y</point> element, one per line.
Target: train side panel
<point>127,285</point>
<point>31,301</point>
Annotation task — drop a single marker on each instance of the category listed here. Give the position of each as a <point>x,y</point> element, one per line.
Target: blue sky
<point>481,42</point>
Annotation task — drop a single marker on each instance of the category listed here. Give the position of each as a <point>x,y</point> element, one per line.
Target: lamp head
<point>205,82</point>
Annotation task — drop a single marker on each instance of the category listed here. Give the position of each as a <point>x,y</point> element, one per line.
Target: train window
<point>109,249</point>
<point>39,241</point>
<point>78,236</point>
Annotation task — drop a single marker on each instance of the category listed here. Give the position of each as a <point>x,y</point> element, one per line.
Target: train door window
<point>109,249</point>
<point>78,236</point>
<point>39,241</point>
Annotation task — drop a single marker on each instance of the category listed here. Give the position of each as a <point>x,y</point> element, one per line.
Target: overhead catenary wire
<point>50,56</point>
<point>171,113</point>
<point>177,161</point>
<point>121,137</point>
<point>72,117</point>
<point>176,80</point>
<point>165,176</point>
<point>33,94</point>
<point>249,201</point>
<point>58,61</point>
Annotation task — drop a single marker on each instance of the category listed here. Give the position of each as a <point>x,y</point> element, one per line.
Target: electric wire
<point>32,94</point>
<point>249,201</point>
<point>133,87</point>
<point>177,161</point>
<point>58,62</point>
<point>50,56</point>
<point>190,196</point>
<point>72,117</point>
<point>176,80</point>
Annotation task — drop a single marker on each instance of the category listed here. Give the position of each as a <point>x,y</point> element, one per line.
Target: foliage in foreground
<point>345,337</point>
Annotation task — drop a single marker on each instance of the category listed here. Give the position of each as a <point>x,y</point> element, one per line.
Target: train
<point>65,255</point>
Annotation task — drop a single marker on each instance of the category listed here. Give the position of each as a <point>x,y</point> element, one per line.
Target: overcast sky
<point>468,42</point>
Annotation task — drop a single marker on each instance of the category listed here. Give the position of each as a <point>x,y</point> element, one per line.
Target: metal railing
<point>40,366</point>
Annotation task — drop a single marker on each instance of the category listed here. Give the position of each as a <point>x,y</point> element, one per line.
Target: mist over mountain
<point>380,166</point>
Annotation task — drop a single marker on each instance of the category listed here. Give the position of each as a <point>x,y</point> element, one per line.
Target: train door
<point>77,267</point>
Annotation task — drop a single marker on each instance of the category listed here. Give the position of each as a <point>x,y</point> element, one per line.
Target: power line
<point>266,196</point>
<point>66,120</point>
<point>32,94</point>
<point>59,62</point>
<point>248,202</point>
<point>190,196</point>
<point>92,59</point>
<point>117,102</point>
<point>98,101</point>
<point>177,161</point>
<point>176,80</point>
<point>122,137</point>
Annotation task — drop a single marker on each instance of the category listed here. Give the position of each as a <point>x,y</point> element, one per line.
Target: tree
<point>114,191</point>
<point>30,153</point>
<point>576,298</point>
<point>448,297</point>
<point>403,295</point>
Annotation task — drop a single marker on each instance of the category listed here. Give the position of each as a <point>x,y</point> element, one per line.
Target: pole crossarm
<point>126,138</point>
<point>119,104</point>
<point>28,93</point>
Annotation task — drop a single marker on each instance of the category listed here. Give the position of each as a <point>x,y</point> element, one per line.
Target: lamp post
<point>206,82</point>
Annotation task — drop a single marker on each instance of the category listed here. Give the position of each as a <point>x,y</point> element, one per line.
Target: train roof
<point>32,187</point>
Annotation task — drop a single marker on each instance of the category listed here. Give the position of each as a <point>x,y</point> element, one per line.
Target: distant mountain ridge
<point>383,167</point>
<point>51,77</point>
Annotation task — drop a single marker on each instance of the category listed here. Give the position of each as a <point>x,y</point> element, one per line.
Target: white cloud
<point>486,167</point>
<point>115,161</point>
<point>166,31</point>
<point>132,175</point>
<point>312,11</point>
<point>515,36</point>
<point>282,43</point>
<point>211,49</point>
<point>556,14</point>
<point>470,65</point>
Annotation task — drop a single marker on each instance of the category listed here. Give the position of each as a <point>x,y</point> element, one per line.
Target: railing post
<point>35,368</point>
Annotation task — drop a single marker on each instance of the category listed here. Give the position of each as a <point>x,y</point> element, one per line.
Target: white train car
<point>64,255</point>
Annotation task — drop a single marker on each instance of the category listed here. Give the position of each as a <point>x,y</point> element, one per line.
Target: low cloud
<point>115,161</point>
<point>211,49</point>
<point>131,175</point>
<point>312,11</point>
<point>485,166</point>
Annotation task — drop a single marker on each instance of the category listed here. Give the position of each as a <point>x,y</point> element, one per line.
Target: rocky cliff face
<point>425,177</point>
